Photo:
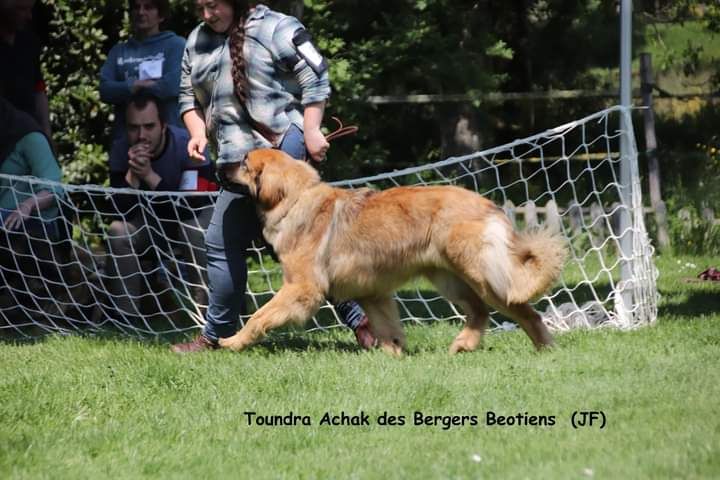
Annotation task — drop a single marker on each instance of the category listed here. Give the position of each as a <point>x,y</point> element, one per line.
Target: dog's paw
<point>393,348</point>
<point>234,343</point>
<point>464,343</point>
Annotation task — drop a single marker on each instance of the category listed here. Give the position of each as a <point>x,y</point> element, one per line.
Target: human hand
<point>140,84</point>
<point>316,144</point>
<point>196,148</point>
<point>15,220</point>
<point>131,179</point>
<point>139,160</point>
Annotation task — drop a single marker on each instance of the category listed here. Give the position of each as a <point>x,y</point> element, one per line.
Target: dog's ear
<point>265,168</point>
<point>253,169</point>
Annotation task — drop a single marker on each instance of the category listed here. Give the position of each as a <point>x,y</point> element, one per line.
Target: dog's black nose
<point>229,185</point>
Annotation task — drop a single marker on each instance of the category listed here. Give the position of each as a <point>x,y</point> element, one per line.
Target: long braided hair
<point>237,41</point>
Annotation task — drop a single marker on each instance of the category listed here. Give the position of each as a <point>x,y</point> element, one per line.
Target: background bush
<point>437,47</point>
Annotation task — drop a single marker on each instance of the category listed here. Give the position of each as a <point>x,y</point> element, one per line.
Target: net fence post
<point>624,298</point>
<point>567,176</point>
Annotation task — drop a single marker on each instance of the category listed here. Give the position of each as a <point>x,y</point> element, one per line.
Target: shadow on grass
<point>301,342</point>
<point>690,304</point>
<point>424,305</point>
<point>284,339</point>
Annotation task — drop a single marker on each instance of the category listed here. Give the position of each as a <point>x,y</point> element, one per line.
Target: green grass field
<point>77,407</point>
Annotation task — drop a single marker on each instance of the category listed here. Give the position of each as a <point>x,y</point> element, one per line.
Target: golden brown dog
<point>363,245</point>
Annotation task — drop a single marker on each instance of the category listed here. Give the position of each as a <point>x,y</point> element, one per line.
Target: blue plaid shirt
<point>277,89</point>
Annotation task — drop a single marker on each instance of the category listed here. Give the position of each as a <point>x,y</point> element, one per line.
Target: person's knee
<point>120,236</point>
<point>118,229</point>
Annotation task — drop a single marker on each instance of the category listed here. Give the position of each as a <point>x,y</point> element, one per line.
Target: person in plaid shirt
<point>251,78</point>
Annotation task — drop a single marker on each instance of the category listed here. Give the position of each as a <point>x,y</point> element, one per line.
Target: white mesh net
<point>143,273</point>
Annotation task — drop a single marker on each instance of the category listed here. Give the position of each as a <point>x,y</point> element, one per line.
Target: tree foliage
<point>691,57</point>
<point>380,48</point>
<point>70,62</point>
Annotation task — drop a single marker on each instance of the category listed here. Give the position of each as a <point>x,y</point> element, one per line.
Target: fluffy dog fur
<point>363,245</point>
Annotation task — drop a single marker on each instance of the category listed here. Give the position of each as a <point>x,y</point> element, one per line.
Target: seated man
<point>154,156</point>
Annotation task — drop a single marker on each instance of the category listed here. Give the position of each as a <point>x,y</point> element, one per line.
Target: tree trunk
<point>459,128</point>
<point>647,82</point>
<point>296,8</point>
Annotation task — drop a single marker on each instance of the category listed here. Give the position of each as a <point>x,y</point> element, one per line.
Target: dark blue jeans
<point>233,227</point>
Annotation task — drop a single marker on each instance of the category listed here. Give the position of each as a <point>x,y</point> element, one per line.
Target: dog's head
<point>270,176</point>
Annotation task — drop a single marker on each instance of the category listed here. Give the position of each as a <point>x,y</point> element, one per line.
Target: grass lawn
<point>79,407</point>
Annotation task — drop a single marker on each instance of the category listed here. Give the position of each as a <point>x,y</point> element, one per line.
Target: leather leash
<point>341,131</point>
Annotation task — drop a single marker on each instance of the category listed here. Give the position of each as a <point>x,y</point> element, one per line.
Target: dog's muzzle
<point>229,185</point>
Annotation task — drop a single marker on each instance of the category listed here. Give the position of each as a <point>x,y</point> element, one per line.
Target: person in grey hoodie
<point>151,59</point>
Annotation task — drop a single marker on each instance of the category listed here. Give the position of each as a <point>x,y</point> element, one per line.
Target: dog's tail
<point>522,266</point>
<point>539,256</point>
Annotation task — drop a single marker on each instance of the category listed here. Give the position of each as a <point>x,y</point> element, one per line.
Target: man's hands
<point>139,84</point>
<point>140,167</point>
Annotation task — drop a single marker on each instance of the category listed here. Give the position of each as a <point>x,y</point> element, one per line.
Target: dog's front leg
<point>385,323</point>
<point>294,303</point>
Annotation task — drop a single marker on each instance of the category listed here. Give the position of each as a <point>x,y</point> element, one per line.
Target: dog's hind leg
<point>293,303</point>
<point>530,321</point>
<point>385,323</point>
<point>460,293</point>
<point>488,273</point>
